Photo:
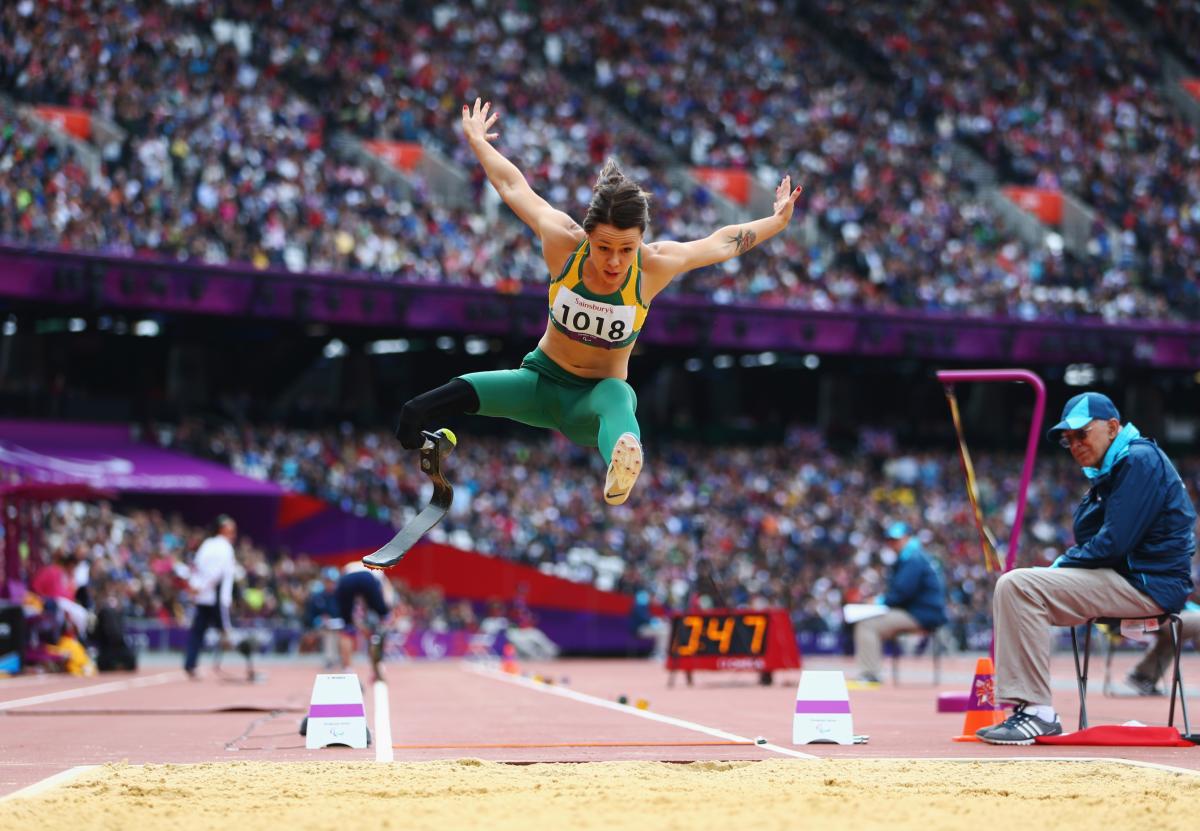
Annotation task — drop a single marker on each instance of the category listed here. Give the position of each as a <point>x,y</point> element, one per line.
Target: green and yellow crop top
<point>608,321</point>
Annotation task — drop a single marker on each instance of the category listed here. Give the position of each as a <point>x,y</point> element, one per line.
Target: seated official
<point>1134,541</point>
<point>915,601</point>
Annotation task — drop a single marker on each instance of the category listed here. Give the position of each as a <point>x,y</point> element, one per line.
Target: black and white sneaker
<point>1021,727</point>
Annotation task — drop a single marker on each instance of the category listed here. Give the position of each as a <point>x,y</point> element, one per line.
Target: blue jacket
<point>1138,520</point>
<point>916,587</point>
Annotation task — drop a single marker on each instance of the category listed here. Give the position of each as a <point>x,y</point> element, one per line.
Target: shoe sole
<point>854,684</point>
<point>623,469</point>
<point>1015,741</point>
<point>1005,741</point>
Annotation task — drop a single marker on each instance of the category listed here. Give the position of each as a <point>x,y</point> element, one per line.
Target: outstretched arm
<point>730,241</point>
<point>510,183</point>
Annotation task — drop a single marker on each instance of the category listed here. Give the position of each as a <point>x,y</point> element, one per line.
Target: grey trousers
<point>870,634</point>
<point>1029,601</point>
<point>1160,657</point>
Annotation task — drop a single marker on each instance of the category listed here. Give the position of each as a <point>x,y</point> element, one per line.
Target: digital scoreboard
<point>761,640</point>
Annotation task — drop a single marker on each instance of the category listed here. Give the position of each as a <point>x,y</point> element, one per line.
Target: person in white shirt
<point>212,577</point>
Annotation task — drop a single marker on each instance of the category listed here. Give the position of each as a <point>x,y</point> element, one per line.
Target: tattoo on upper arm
<point>744,240</point>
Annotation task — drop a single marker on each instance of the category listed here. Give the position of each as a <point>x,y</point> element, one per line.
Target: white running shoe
<point>623,470</point>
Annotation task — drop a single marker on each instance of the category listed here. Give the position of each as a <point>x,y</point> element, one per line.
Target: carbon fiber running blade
<point>435,449</point>
<point>409,536</point>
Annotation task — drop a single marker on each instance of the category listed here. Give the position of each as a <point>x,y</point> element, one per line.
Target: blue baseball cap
<point>897,531</point>
<point>1082,410</point>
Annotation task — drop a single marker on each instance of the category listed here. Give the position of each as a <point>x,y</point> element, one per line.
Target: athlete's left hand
<point>785,198</point>
<point>477,123</point>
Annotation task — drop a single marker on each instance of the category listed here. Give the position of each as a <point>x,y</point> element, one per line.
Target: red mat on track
<point>1120,735</point>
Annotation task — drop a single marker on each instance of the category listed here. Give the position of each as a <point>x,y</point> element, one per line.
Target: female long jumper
<point>603,279</point>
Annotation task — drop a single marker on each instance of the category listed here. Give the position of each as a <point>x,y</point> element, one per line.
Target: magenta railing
<point>949,377</point>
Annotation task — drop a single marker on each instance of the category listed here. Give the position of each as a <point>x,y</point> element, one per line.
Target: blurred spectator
<point>211,578</point>
<point>113,650</point>
<point>915,601</point>
<point>1145,677</point>
<point>322,604</point>
<point>528,640</point>
<point>360,583</point>
<point>646,624</point>
<point>53,583</point>
<point>52,580</point>
<point>321,619</point>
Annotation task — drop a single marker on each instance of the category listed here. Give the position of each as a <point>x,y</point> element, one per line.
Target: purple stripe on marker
<point>822,706</point>
<point>339,710</point>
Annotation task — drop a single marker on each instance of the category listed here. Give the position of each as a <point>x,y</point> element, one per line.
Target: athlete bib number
<point>590,321</point>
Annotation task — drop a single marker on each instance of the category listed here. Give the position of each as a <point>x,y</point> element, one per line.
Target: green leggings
<point>590,413</point>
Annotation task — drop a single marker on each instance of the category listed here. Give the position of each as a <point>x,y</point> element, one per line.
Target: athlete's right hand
<point>476,122</point>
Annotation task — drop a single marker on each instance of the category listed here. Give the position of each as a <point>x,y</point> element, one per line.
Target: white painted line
<point>383,724</point>
<point>98,689</point>
<point>1153,765</point>
<point>630,711</point>
<point>60,778</point>
<point>1112,759</point>
<point>13,682</point>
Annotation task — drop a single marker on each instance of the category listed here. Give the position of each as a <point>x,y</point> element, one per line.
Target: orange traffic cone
<point>509,662</point>
<point>981,704</point>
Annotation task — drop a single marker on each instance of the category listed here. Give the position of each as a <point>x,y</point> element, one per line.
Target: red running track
<point>51,723</point>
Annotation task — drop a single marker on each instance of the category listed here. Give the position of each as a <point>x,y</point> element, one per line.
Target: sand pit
<point>613,795</point>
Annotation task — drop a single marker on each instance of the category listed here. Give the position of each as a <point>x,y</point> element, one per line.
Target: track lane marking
<point>384,752</point>
<point>52,781</point>
<point>595,701</point>
<point>98,689</point>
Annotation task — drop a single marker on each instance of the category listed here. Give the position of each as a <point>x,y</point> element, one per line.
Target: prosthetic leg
<point>245,648</point>
<point>436,448</point>
<point>375,652</point>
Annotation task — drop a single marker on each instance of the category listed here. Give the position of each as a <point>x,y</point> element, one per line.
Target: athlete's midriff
<point>583,360</point>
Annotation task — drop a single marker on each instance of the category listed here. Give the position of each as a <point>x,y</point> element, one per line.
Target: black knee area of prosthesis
<point>418,414</point>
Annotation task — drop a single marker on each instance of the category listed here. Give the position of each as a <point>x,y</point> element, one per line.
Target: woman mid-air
<point>603,277</point>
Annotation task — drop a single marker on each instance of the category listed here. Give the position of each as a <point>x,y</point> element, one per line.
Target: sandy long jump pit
<point>467,793</point>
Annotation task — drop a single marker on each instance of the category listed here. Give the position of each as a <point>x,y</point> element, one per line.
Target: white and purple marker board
<point>336,714</point>
<point>822,709</point>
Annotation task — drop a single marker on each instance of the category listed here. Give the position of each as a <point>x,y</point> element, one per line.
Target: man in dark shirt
<point>1134,541</point>
<point>915,601</point>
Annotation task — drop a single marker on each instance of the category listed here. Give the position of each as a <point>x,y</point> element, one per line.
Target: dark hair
<point>618,201</point>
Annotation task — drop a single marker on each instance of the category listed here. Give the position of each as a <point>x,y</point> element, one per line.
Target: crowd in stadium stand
<point>1068,96</point>
<point>226,162</point>
<point>790,524</point>
<point>229,155</point>
<point>138,563</point>
<point>1175,26</point>
<point>910,230</point>
<point>222,163</point>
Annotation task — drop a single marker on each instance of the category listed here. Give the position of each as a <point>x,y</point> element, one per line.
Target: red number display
<point>761,640</point>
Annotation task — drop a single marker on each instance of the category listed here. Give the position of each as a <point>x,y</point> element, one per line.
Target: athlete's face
<point>613,251</point>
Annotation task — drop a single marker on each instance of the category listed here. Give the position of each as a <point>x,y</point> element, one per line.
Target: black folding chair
<point>1175,626</point>
<point>930,638</point>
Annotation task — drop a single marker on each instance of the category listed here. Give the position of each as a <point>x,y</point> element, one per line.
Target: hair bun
<point>617,200</point>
